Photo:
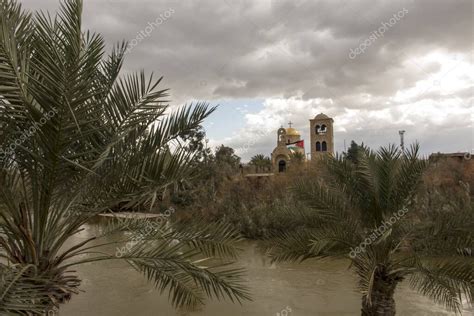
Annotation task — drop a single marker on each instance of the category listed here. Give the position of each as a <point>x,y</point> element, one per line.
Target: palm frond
<point>24,292</point>
<point>292,246</point>
<point>184,276</point>
<point>216,240</point>
<point>445,281</point>
<point>328,204</point>
<point>98,141</point>
<point>178,123</point>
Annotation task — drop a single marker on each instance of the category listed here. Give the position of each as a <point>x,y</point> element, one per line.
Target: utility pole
<point>402,140</point>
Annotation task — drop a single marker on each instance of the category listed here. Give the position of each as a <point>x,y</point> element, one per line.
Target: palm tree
<point>77,140</point>
<point>261,162</point>
<point>297,157</point>
<point>365,212</point>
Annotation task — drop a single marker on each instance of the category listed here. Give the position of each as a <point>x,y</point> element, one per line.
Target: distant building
<point>290,146</point>
<point>322,135</point>
<point>289,143</point>
<point>458,157</point>
<point>463,161</point>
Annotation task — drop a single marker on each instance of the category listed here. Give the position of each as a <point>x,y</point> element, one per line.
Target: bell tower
<point>322,135</point>
<point>281,141</point>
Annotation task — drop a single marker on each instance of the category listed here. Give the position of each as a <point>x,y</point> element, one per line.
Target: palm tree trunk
<point>382,302</point>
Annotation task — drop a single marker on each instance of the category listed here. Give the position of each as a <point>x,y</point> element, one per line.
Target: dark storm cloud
<point>301,49</point>
<point>269,48</point>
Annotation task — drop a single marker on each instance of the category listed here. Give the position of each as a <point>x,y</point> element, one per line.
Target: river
<point>318,288</point>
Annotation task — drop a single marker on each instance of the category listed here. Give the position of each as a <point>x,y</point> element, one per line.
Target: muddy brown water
<point>320,288</point>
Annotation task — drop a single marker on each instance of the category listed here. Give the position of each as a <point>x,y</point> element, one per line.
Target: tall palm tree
<point>261,162</point>
<point>365,212</point>
<point>77,140</point>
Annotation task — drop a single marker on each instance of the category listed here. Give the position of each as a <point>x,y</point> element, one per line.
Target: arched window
<point>281,166</point>
<point>321,129</point>
<point>281,135</point>
<point>318,146</point>
<point>324,146</point>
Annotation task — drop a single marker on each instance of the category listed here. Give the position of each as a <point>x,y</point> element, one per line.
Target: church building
<point>322,135</point>
<point>290,146</point>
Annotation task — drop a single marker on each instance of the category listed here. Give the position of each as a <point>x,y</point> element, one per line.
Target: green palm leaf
<point>98,141</point>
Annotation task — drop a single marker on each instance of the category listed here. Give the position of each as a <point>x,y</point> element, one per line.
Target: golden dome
<point>292,132</point>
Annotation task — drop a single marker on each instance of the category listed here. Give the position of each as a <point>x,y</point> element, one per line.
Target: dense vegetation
<point>367,212</point>
<point>331,207</point>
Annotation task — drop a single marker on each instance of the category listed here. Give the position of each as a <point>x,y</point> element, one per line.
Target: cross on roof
<point>290,123</point>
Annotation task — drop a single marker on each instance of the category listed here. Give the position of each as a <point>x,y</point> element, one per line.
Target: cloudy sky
<point>376,67</point>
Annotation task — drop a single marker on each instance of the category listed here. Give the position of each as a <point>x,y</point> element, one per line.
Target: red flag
<point>300,143</point>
